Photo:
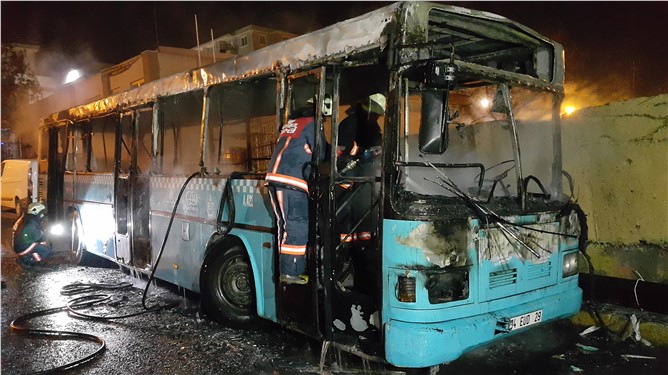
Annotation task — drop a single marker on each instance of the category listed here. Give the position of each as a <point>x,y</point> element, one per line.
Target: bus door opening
<point>140,188</point>
<point>301,305</point>
<point>355,210</point>
<point>56,171</point>
<point>131,189</point>
<point>122,214</point>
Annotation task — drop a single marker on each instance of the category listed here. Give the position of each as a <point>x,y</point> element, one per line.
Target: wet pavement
<point>180,341</point>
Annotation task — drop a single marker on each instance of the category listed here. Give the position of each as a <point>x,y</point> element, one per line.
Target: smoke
<point>50,66</point>
<point>24,124</point>
<point>583,94</point>
<point>56,62</point>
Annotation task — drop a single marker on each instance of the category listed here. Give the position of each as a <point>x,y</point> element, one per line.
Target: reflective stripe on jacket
<point>292,154</point>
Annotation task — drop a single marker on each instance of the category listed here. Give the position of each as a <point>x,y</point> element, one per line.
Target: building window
<point>244,41</point>
<point>263,39</point>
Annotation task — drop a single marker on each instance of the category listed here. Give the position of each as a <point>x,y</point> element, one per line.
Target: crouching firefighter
<point>30,243</point>
<point>287,176</point>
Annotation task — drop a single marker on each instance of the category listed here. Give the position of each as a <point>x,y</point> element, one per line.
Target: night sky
<point>614,50</point>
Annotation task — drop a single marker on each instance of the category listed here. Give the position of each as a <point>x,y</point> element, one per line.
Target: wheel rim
<point>75,244</point>
<point>234,283</point>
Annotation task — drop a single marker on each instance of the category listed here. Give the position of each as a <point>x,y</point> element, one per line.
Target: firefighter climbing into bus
<point>358,149</point>
<point>287,180</point>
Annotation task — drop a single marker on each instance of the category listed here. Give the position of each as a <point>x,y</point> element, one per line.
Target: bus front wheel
<point>228,294</point>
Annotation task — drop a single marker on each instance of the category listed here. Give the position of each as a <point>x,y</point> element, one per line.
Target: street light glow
<point>72,76</point>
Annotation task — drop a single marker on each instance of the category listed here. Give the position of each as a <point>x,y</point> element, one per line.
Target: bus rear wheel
<point>228,295</point>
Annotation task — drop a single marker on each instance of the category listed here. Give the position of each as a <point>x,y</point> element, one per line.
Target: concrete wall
<point>618,157</point>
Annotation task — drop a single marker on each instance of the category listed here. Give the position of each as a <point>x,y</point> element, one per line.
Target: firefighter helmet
<point>37,209</point>
<point>375,103</point>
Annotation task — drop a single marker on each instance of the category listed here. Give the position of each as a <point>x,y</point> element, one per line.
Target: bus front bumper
<point>417,345</point>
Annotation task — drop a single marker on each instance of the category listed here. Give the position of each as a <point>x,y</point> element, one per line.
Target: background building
<point>147,67</point>
<point>245,40</point>
<point>99,80</point>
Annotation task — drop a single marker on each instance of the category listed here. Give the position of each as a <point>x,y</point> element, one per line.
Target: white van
<point>19,184</point>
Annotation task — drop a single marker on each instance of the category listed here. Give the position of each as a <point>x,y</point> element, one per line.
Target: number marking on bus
<point>248,200</point>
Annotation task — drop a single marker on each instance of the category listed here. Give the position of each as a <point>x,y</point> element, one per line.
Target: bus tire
<point>78,253</point>
<point>228,294</point>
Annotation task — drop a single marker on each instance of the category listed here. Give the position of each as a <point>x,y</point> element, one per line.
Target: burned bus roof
<point>341,41</point>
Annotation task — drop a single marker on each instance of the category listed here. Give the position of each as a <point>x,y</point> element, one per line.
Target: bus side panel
<point>194,225</point>
<point>185,235</point>
<point>91,195</point>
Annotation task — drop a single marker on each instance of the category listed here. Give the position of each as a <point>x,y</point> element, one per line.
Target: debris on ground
<point>634,356</point>
<point>586,348</point>
<point>632,329</point>
<point>589,330</point>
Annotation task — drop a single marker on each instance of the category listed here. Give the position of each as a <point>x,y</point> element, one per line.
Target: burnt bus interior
<point>118,146</point>
<point>241,126</point>
<point>468,63</point>
<point>243,123</point>
<point>479,151</point>
<point>482,42</point>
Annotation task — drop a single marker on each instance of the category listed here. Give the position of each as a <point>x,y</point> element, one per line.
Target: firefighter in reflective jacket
<point>30,243</point>
<point>288,171</point>
<point>358,146</point>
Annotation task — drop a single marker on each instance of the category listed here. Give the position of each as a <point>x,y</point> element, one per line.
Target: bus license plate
<point>526,320</point>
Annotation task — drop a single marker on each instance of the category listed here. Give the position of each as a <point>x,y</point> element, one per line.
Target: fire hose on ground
<point>19,324</point>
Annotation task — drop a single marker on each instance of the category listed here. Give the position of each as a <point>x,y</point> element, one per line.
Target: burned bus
<point>473,235</point>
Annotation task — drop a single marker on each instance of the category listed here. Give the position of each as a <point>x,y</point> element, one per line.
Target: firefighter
<point>358,146</point>
<point>287,177</point>
<point>30,243</point>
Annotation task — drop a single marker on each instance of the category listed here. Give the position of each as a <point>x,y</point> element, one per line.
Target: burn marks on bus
<point>442,244</point>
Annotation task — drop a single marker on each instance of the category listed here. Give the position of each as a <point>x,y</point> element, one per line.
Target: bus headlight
<point>406,289</point>
<point>570,266</point>
<point>447,285</point>
<point>57,229</point>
